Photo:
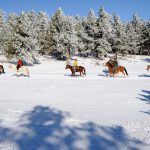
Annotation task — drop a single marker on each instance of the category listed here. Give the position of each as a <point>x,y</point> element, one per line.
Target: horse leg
<point>73,73</point>
<point>80,73</point>
<point>84,72</point>
<point>17,74</point>
<point>114,75</point>
<point>28,72</point>
<point>108,75</point>
<point>123,74</point>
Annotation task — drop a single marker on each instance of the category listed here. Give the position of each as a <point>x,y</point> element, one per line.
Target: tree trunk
<point>116,55</point>
<point>148,50</point>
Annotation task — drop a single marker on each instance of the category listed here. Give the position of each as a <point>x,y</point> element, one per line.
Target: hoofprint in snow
<point>52,110</point>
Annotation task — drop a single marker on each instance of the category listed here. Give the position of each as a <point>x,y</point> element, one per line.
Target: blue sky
<point>124,8</point>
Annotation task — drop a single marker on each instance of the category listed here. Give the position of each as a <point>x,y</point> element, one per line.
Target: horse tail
<point>84,71</point>
<point>126,71</point>
<point>2,69</point>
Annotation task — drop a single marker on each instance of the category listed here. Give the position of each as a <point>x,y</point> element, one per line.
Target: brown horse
<point>77,69</point>
<point>118,69</point>
<point>148,67</point>
<point>1,69</point>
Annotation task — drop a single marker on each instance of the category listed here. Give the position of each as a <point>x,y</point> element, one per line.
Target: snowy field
<point>51,110</point>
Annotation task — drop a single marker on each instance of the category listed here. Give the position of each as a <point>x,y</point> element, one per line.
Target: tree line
<point>35,32</point>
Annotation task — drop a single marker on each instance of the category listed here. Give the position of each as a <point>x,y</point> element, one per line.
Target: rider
<point>115,65</point>
<point>19,64</point>
<point>75,64</point>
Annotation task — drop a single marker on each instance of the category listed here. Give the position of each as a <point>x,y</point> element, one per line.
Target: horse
<point>77,69</point>
<point>121,69</point>
<point>23,70</point>
<point>148,67</point>
<point>2,69</point>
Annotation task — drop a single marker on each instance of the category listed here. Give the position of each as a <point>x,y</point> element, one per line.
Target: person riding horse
<point>114,68</point>
<point>114,63</point>
<point>19,64</point>
<point>75,65</point>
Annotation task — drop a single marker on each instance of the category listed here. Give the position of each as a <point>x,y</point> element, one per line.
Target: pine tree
<point>18,34</point>
<point>55,36</point>
<point>119,39</point>
<point>2,24</point>
<point>70,34</point>
<point>42,29</point>
<point>138,26</point>
<point>146,38</point>
<point>89,25</point>
<point>131,39</point>
<point>103,33</point>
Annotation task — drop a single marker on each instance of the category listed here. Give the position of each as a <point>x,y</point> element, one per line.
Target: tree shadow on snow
<point>147,60</point>
<point>46,128</point>
<point>20,75</point>
<point>105,73</point>
<point>145,96</point>
<point>146,112</point>
<point>77,75</point>
<point>144,75</point>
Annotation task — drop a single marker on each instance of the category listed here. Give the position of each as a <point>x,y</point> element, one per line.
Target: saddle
<point>76,68</point>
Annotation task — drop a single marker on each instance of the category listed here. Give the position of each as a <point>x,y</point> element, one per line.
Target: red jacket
<point>20,62</point>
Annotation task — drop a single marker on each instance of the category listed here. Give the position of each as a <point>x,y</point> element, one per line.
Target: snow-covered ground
<point>51,110</point>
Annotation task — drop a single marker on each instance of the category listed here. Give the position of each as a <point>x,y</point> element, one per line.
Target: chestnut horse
<point>77,69</point>
<point>118,69</point>
<point>1,69</point>
<point>148,67</point>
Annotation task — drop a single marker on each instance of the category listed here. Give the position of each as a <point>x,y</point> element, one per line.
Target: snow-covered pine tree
<point>70,34</point>
<point>119,38</point>
<point>21,37</point>
<point>131,39</point>
<point>89,24</point>
<point>146,38</point>
<point>55,36</point>
<point>2,18</point>
<point>103,33</point>
<point>41,30</point>
<point>2,24</point>
<point>138,26</point>
<point>8,36</point>
<point>82,35</point>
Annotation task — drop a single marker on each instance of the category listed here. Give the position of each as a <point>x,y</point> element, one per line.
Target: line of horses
<point>23,70</point>
<point>119,69</point>
<point>110,66</point>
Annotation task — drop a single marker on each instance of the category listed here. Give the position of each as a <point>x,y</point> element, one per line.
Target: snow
<point>51,110</point>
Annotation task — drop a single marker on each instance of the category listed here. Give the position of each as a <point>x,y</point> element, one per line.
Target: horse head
<point>67,66</point>
<point>109,65</point>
